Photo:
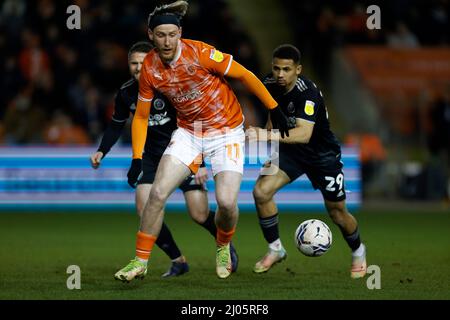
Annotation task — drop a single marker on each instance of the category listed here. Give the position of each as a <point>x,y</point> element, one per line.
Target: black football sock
<point>209,224</point>
<point>269,227</point>
<point>167,244</point>
<point>353,240</point>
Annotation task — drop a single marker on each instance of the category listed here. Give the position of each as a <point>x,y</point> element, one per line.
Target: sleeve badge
<point>216,55</point>
<point>309,107</point>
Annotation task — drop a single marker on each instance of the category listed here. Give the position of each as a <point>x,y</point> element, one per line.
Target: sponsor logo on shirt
<point>158,119</point>
<point>189,96</point>
<point>291,107</point>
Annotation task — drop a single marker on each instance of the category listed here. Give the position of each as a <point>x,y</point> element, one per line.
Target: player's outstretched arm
<point>300,134</point>
<point>255,86</point>
<point>139,128</point>
<point>252,83</point>
<point>269,125</point>
<point>112,135</point>
<point>112,132</point>
<point>138,137</point>
<point>96,158</point>
<point>109,139</point>
<point>201,176</point>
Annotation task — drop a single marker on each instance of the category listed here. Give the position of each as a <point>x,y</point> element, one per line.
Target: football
<point>313,238</point>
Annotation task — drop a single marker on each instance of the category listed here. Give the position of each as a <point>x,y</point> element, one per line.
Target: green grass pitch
<point>412,250</point>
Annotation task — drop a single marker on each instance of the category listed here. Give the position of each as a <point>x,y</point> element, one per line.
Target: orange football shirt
<point>194,83</point>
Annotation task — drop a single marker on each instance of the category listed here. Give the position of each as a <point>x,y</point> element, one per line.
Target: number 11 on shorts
<point>233,151</point>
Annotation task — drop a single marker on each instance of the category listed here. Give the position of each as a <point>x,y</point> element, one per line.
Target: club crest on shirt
<point>190,69</point>
<point>216,55</point>
<point>159,104</point>
<point>309,107</point>
<point>291,107</point>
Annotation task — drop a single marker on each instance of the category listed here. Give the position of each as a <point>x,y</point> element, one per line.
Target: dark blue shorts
<point>328,177</point>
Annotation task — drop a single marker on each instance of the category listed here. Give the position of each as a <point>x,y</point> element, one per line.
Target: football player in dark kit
<point>310,149</point>
<point>161,124</point>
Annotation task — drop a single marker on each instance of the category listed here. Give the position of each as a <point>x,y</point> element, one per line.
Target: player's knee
<point>158,195</point>
<point>226,204</point>
<point>262,194</point>
<point>198,217</point>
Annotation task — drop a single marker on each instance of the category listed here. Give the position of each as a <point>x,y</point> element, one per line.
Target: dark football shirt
<point>305,101</point>
<point>161,123</point>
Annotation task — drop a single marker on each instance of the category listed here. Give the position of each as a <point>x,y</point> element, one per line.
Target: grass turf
<point>412,250</point>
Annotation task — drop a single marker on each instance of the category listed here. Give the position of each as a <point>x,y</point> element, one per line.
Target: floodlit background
<point>387,90</point>
<point>387,93</point>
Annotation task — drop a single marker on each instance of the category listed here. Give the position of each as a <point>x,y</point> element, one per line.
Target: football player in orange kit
<point>210,124</point>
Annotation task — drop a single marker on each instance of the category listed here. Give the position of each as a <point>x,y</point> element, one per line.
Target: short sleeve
<point>215,60</point>
<point>307,107</point>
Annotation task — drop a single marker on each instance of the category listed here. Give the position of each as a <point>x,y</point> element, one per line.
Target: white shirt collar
<point>177,54</point>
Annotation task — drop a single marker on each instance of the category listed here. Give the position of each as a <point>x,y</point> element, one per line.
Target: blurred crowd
<point>321,25</point>
<point>58,85</point>
<point>416,126</point>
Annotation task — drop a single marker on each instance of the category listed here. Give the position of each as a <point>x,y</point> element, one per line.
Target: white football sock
<point>276,245</point>
<point>359,252</point>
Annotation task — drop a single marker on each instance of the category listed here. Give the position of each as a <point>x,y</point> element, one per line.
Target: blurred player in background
<point>310,149</point>
<point>210,123</point>
<point>161,124</point>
